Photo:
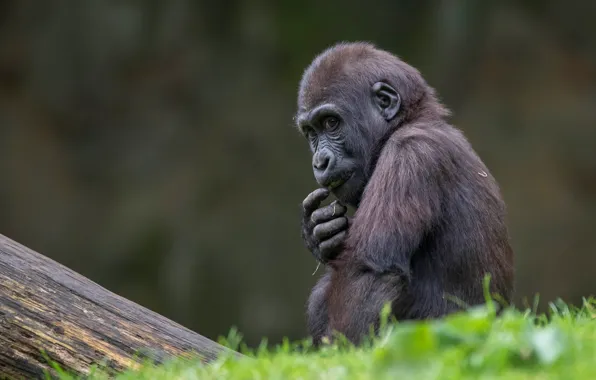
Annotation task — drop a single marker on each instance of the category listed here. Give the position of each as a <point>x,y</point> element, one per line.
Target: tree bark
<point>77,323</point>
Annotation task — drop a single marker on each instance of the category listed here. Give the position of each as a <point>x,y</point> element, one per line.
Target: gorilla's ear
<point>387,100</point>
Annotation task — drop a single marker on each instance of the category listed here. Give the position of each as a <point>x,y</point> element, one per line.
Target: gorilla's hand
<point>323,229</point>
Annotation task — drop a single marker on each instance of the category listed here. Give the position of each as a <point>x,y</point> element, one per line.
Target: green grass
<point>476,344</point>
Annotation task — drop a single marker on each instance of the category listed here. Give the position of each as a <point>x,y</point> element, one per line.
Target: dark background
<point>149,145</point>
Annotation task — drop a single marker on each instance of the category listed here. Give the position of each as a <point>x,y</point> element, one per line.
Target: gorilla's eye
<point>330,122</point>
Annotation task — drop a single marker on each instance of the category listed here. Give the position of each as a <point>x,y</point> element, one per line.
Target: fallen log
<point>47,307</point>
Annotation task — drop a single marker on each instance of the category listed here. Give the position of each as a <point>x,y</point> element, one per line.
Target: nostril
<point>322,164</point>
<point>321,161</point>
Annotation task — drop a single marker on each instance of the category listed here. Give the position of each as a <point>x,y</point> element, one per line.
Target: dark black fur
<point>429,220</point>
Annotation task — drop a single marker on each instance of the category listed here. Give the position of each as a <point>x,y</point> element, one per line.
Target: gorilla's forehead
<point>320,84</point>
<point>313,96</point>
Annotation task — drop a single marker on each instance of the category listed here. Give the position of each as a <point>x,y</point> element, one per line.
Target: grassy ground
<point>475,344</point>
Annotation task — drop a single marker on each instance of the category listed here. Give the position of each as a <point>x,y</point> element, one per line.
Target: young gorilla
<point>429,220</point>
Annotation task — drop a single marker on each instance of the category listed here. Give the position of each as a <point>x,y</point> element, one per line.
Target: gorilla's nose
<point>322,160</point>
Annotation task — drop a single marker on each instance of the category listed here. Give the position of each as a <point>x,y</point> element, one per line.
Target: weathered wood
<point>46,306</point>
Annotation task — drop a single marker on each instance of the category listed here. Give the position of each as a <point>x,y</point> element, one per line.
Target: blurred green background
<point>149,145</point>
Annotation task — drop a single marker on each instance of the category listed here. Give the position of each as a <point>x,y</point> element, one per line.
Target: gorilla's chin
<point>350,191</point>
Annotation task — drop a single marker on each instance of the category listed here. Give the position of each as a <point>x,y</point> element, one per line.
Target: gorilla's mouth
<point>336,183</point>
<point>340,181</point>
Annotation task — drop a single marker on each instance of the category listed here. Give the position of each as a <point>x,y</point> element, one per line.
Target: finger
<point>314,199</point>
<point>331,247</point>
<point>326,230</point>
<point>324,214</point>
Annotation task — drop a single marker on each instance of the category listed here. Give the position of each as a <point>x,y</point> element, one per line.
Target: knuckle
<point>318,231</point>
<point>319,216</point>
<point>330,227</point>
<point>316,214</point>
<point>322,191</point>
<point>330,243</point>
<point>338,221</point>
<point>336,224</point>
<point>325,249</point>
<point>314,198</point>
<point>338,239</point>
<point>319,194</point>
<point>305,203</point>
<point>315,231</point>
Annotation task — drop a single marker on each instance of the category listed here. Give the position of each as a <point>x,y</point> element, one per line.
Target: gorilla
<point>429,220</point>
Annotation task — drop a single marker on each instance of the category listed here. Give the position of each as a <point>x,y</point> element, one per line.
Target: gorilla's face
<point>345,132</point>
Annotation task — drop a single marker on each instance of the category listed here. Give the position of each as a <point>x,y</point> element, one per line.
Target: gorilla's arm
<point>401,202</point>
<point>317,309</point>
